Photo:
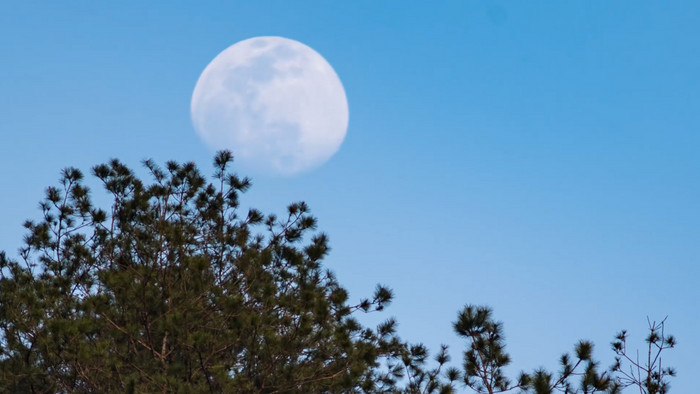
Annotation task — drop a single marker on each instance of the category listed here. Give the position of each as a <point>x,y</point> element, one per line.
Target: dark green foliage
<point>173,289</point>
<point>649,375</point>
<point>486,357</point>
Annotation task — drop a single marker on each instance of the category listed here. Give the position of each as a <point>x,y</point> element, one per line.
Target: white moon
<point>274,102</point>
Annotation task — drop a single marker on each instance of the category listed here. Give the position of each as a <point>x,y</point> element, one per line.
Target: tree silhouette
<point>173,289</point>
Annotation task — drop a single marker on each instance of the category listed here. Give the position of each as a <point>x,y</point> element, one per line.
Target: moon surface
<point>274,102</point>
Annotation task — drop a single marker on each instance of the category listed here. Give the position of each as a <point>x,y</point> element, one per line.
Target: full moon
<point>274,102</point>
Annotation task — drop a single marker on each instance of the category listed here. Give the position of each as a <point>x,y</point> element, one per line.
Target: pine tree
<point>173,288</point>
<point>170,289</point>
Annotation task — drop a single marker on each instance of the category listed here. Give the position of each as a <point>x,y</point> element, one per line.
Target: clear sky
<point>536,156</point>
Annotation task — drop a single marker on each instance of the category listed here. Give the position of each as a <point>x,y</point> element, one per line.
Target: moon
<point>274,102</point>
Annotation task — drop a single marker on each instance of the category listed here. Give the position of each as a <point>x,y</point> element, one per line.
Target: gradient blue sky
<point>536,156</point>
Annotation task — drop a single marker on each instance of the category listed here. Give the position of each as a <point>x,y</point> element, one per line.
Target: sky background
<point>539,157</point>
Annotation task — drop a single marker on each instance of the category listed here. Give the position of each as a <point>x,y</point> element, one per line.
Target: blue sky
<point>536,156</point>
